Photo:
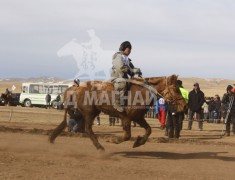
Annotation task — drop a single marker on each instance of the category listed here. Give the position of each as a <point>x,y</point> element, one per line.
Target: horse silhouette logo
<point>93,62</point>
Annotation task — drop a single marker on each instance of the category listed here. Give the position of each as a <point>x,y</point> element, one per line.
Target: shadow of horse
<point>175,156</point>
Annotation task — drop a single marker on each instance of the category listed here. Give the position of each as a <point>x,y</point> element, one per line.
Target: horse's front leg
<point>142,140</point>
<point>127,129</point>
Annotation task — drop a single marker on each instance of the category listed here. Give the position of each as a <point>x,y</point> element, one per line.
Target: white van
<point>35,93</point>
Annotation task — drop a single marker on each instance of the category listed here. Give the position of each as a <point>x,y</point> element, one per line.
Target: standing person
<point>211,108</point>
<point>59,101</point>
<point>7,91</point>
<point>217,111</point>
<point>205,108</point>
<point>229,104</point>
<point>195,102</point>
<point>185,95</point>
<point>175,119</point>
<point>120,71</point>
<point>173,123</point>
<point>48,100</point>
<point>161,112</point>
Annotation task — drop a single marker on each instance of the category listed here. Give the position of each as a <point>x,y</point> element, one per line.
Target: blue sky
<point>188,38</point>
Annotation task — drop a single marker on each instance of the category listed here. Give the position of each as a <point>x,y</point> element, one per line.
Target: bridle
<point>169,100</point>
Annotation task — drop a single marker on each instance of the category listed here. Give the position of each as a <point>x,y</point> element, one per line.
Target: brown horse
<point>93,97</point>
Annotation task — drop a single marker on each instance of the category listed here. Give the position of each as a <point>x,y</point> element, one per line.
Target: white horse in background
<point>92,65</point>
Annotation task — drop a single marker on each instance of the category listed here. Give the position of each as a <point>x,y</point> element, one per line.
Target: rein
<point>147,85</point>
<point>150,88</point>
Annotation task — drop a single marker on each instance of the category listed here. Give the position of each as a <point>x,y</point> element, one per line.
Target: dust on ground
<point>25,152</point>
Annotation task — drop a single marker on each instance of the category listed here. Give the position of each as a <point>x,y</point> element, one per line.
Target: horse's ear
<point>172,79</point>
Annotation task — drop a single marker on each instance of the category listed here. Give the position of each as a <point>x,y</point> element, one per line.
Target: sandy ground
<point>25,152</point>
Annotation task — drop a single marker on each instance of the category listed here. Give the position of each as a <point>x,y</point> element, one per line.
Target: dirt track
<point>26,154</point>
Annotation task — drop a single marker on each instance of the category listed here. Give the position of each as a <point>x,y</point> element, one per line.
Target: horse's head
<point>168,88</point>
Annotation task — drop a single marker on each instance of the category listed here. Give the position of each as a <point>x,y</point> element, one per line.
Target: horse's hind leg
<point>59,129</point>
<point>142,140</point>
<point>89,122</point>
<point>126,123</point>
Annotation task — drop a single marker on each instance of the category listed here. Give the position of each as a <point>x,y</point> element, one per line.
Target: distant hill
<point>32,79</point>
<point>210,86</point>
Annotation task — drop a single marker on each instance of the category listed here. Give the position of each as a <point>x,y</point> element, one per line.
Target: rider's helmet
<point>124,45</point>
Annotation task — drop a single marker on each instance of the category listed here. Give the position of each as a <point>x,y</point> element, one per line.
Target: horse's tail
<point>59,129</point>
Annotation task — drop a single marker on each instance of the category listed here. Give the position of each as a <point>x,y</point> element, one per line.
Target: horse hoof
<point>135,145</point>
<point>137,142</point>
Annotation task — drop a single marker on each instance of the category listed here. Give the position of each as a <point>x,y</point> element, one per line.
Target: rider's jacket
<point>121,66</point>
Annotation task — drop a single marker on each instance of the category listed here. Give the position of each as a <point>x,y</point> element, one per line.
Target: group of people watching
<point>212,109</point>
<point>217,110</point>
<point>201,108</point>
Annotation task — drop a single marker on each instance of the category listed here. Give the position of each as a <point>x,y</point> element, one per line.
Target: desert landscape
<point>209,86</point>
<point>25,152</point>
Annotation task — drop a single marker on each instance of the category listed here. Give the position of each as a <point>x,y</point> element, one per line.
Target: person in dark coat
<point>175,119</point>
<point>211,108</point>
<point>195,102</point>
<point>7,91</point>
<point>228,101</point>
<point>76,121</point>
<point>48,101</point>
<point>217,111</point>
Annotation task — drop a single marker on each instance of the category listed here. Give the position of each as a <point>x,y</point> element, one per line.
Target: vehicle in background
<point>34,94</point>
<point>13,100</point>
